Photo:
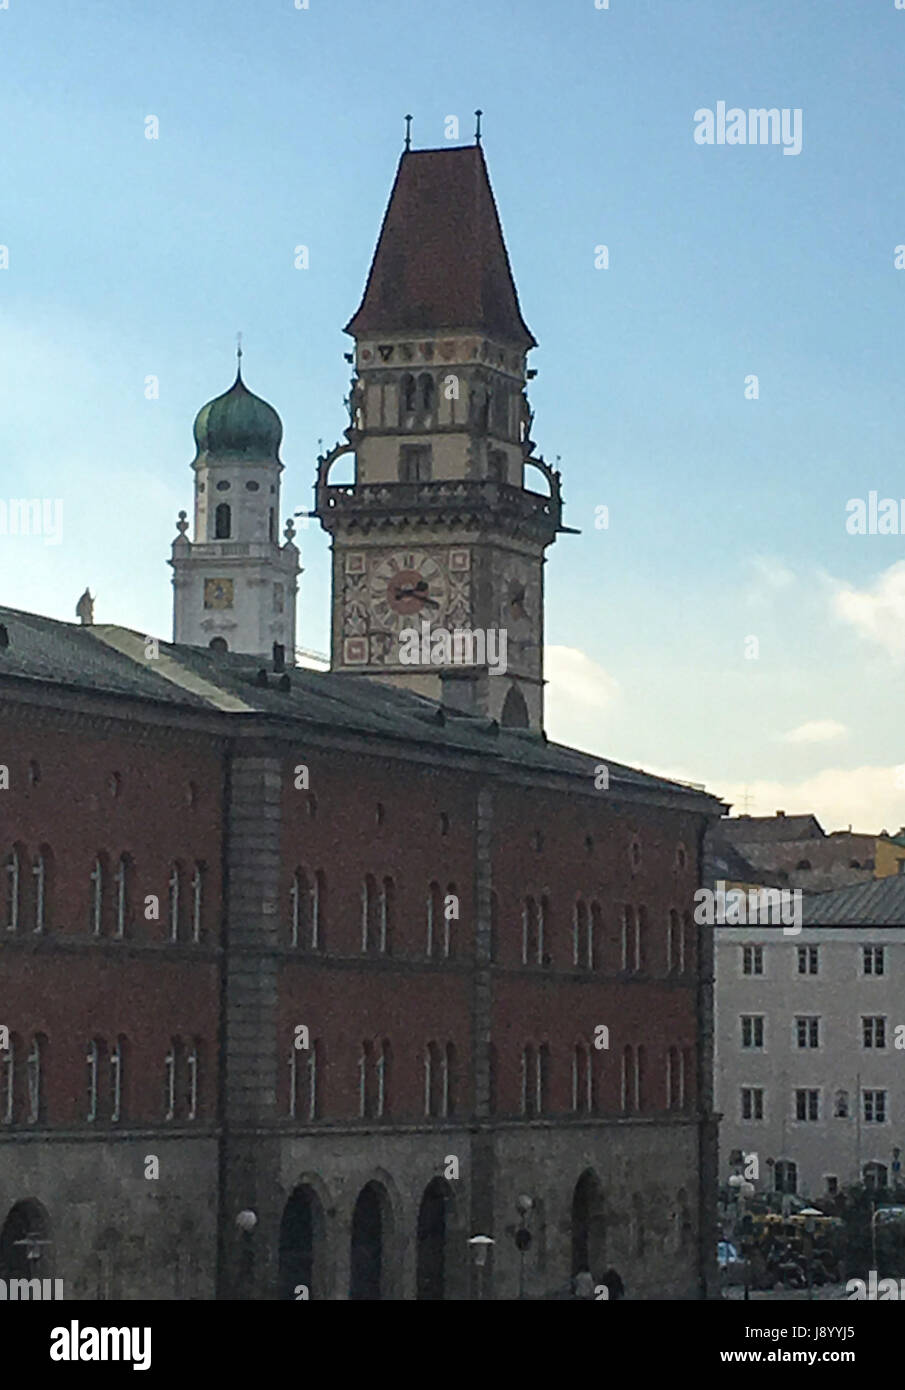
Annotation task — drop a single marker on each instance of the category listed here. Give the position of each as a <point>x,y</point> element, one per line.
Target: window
<point>803,865</point>
<point>452,897</point>
<point>807,1105</point>
<point>191,1096</point>
<point>368,914</point>
<point>35,1079</point>
<point>387,915</point>
<point>415,463</point>
<point>439,1080</point>
<point>873,960</point>
<point>365,1084</point>
<point>41,874</point>
<point>13,888</point>
<point>426,392</point>
<point>675,1079</point>
<point>673,939</point>
<point>752,1030</point>
<point>408,396</point>
<point>434,918</point>
<point>632,1066</point>
<point>832,1186</point>
<point>98,894</point>
<point>123,876</point>
<point>383,1079</point>
<point>876,1176</point>
<point>304,1081</point>
<point>222,522</point>
<point>299,901</point>
<point>579,932</point>
<point>641,939</point>
<point>785,1175</point>
<point>197,901</point>
<point>9,1097</point>
<point>808,960</point>
<point>535,1079</point>
<point>874,1107</point>
<point>169,1080</point>
<point>582,1099</point>
<point>629,937</point>
<point>840,1106</point>
<point>807,1032</point>
<point>175,897</point>
<point>873,1031</point>
<point>116,1081</point>
<point>752,1103</point>
<point>752,960</point>
<point>532,933</point>
<point>93,1060</point>
<point>686,944</point>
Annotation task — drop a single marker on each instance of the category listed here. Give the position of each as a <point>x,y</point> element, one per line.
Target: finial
<point>477,134</point>
<point>182,524</point>
<point>290,529</point>
<point>408,133</point>
<point>238,356</point>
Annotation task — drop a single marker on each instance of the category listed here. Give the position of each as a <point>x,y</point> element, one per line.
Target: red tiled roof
<point>441,261</point>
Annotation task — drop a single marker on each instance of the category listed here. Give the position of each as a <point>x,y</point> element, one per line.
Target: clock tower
<point>438,544</point>
<point>234,585</point>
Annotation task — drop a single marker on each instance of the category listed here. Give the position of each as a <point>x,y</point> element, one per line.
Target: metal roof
<point>880,903</point>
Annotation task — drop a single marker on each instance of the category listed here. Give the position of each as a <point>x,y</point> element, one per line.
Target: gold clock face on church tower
<point>218,593</point>
<point>407,587</point>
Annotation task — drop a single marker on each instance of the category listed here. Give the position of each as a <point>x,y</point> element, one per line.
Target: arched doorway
<point>371,1229</point>
<point>588,1225</point>
<point>301,1246</point>
<point>433,1229</point>
<point>25,1243</point>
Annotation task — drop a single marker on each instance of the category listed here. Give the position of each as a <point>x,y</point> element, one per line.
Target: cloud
<point>876,613</point>
<point>867,798</point>
<point>816,731</point>
<point>579,692</point>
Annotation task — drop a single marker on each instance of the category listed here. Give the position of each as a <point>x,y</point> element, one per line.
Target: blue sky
<point>278,126</point>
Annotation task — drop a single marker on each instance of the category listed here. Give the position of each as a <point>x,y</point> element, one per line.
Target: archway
<point>433,1230</point>
<point>588,1225</point>
<point>515,712</point>
<point>371,1229</point>
<point>301,1245</point>
<point>25,1243</point>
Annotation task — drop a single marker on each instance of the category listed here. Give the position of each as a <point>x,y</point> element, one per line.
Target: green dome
<point>238,423</point>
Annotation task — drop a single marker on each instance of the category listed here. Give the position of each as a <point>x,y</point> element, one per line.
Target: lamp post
<point>480,1245</point>
<point>246,1221</point>
<point>522,1236</point>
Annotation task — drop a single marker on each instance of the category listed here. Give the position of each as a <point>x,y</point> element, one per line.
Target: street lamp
<point>480,1245</point>
<point>246,1221</point>
<point>522,1237</point>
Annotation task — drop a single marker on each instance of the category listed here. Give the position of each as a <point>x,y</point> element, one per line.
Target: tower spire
<point>477,134</point>
<point>408,133</point>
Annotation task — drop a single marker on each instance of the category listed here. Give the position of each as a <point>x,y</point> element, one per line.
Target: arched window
<point>408,395</point>
<point>42,873</point>
<point>300,901</point>
<point>192,1094</point>
<point>99,879</point>
<point>10,1099</point>
<point>365,1081</point>
<point>533,931</point>
<point>218,644</point>
<point>175,900</point>
<point>117,1063</point>
<point>383,1079</point>
<point>579,931</point>
<point>387,916</point>
<point>434,917</point>
<point>426,392</point>
<point>35,1067</point>
<point>583,1098</point>
<point>14,863</point>
<point>172,1069</point>
<point>432,1080</point>
<point>629,929</point>
<point>223,522</point>
<point>197,901</point>
<point>369,935</point>
<point>673,939</point>
<point>93,1061</point>
<point>123,885</point>
<point>514,714</point>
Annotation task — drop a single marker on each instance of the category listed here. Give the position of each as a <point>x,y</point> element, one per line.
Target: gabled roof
<point>756,830</point>
<point>441,261</point>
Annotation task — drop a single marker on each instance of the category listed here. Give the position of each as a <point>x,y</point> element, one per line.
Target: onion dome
<point>238,425</point>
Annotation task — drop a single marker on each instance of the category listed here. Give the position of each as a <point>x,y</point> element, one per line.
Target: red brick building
<point>310,978</point>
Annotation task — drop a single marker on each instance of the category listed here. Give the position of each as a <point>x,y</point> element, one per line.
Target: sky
<point>725,626</point>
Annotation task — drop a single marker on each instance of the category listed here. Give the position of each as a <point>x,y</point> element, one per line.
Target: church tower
<point>438,532</point>
<point>235,585</point>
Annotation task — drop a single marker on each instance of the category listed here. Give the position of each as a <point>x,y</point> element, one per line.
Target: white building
<point>810,1043</point>
<point>235,585</point>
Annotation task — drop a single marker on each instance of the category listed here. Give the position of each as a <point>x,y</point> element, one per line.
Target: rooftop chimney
<point>780,813</point>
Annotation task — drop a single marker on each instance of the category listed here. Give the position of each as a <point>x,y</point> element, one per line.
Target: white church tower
<point>235,584</point>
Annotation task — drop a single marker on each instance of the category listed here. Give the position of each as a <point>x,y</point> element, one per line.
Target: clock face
<point>407,588</point>
<point>218,593</point>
